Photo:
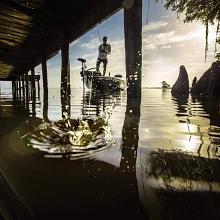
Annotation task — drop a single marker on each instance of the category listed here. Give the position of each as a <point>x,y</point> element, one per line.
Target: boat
<point>96,81</point>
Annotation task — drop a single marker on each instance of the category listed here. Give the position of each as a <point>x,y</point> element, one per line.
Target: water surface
<point>155,159</point>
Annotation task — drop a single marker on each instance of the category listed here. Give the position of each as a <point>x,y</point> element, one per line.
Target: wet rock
<point>214,81</point>
<point>181,86</point>
<point>209,83</point>
<point>194,81</point>
<point>201,86</point>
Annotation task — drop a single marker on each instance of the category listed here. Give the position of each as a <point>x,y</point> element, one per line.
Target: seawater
<point>158,157</point>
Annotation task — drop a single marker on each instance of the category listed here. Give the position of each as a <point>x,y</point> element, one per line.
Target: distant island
<point>152,87</point>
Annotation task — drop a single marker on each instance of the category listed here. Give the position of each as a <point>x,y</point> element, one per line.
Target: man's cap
<point>104,38</point>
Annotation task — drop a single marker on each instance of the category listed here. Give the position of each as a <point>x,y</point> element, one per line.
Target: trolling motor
<point>83,66</point>
<point>88,73</point>
<point>83,69</point>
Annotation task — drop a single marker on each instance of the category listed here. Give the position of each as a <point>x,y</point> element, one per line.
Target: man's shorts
<point>103,61</point>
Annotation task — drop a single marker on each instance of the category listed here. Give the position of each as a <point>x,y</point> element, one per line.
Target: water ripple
<point>81,138</point>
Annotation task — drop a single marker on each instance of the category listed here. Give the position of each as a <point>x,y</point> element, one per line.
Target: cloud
<point>161,40</point>
<point>167,34</point>
<point>166,47</point>
<point>90,44</point>
<point>153,26</point>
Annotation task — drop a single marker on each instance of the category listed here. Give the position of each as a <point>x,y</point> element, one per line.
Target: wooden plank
<point>15,20</point>
<point>6,9</point>
<point>4,27</point>
<point>38,12</point>
<point>38,6</point>
<point>13,34</point>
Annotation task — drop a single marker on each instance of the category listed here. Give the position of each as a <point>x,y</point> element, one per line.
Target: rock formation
<point>209,83</point>
<point>200,87</point>
<point>214,81</point>
<point>181,86</point>
<point>165,85</point>
<point>194,81</point>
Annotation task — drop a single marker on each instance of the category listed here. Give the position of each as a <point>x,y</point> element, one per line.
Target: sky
<point>167,43</point>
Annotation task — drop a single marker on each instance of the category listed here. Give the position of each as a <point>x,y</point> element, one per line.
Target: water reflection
<point>181,102</point>
<point>78,188</point>
<point>181,170</point>
<point>195,109</point>
<point>95,103</point>
<point>211,106</point>
<point>65,103</point>
<point>130,177</point>
<point>176,177</point>
<point>12,112</point>
<point>130,135</point>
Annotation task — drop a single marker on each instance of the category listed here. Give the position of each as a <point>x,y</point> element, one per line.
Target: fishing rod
<point>99,34</point>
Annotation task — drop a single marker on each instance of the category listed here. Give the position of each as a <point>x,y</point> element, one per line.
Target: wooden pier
<point>24,86</point>
<point>31,32</point>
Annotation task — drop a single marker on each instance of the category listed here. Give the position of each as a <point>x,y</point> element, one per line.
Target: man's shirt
<point>104,55</point>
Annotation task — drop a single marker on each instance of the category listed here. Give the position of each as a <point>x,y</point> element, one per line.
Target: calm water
<point>105,156</point>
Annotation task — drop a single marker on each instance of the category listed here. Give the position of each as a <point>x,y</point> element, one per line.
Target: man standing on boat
<point>104,50</point>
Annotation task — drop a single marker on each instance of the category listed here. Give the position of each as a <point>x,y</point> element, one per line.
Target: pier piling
<point>133,47</point>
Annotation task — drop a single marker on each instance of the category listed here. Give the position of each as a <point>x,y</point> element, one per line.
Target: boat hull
<point>104,83</point>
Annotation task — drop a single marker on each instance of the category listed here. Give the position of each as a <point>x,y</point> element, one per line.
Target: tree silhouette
<point>205,11</point>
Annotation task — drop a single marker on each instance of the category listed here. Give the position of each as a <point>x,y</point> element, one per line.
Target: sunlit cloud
<point>153,26</point>
<point>91,44</point>
<point>180,45</point>
<point>166,47</point>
